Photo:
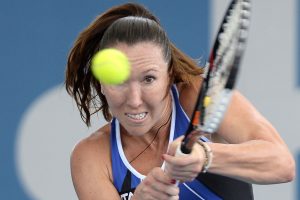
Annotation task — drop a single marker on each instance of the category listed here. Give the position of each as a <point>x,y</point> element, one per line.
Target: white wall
<point>268,75</point>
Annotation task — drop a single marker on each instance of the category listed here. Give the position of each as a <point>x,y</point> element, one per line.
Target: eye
<point>149,79</point>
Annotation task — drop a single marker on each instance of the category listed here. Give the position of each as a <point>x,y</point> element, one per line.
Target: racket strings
<point>231,44</point>
<point>236,22</point>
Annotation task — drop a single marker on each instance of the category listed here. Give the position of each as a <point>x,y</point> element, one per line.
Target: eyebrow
<point>150,70</point>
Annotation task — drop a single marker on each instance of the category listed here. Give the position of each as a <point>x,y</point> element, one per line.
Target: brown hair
<point>128,23</point>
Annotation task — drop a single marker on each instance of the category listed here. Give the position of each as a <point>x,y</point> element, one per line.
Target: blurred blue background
<point>35,38</point>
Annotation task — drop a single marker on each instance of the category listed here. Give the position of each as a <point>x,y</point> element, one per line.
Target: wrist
<point>208,156</point>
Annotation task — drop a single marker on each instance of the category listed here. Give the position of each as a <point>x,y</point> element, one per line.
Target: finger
<point>150,189</point>
<point>171,190</point>
<point>197,156</point>
<point>188,174</point>
<point>186,177</point>
<point>163,182</point>
<point>159,175</point>
<point>174,197</point>
<point>158,190</point>
<point>174,145</point>
<point>197,151</point>
<point>175,160</point>
<point>184,172</point>
<point>192,168</point>
<point>165,190</point>
<point>181,161</point>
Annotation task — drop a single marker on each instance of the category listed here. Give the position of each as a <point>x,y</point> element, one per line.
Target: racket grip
<point>179,153</point>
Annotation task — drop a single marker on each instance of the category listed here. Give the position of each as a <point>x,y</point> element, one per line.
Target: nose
<point>134,95</point>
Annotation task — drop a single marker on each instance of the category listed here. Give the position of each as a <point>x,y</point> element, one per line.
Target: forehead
<point>141,49</point>
<point>143,54</point>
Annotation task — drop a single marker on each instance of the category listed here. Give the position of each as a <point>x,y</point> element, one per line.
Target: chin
<point>137,131</point>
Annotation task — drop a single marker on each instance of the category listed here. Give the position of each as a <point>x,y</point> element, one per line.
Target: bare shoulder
<point>98,140</point>
<point>91,166</point>
<point>94,148</point>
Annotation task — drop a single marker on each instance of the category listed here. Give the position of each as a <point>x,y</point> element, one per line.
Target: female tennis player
<point>147,116</point>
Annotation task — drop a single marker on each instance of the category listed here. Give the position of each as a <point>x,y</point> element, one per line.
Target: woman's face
<point>140,103</point>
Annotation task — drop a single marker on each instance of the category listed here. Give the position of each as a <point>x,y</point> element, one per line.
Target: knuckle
<point>197,168</point>
<point>145,190</point>
<point>175,190</point>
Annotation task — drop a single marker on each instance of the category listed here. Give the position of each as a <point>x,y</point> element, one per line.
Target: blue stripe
<point>196,190</point>
<point>117,169</point>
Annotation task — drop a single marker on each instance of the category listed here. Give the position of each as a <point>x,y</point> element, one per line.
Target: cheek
<point>156,97</point>
<point>114,98</point>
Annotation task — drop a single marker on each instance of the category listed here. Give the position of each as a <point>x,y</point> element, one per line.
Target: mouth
<point>138,116</point>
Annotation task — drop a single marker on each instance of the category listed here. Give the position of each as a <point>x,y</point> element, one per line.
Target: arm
<point>253,150</point>
<point>256,152</point>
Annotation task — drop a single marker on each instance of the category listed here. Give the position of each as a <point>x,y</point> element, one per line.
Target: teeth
<point>138,116</point>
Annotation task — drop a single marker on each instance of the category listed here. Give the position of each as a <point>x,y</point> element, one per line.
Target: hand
<point>157,185</point>
<point>184,167</point>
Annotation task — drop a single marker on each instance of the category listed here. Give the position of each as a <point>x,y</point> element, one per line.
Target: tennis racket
<point>220,75</point>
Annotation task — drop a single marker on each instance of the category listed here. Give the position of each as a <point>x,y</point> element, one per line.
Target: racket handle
<point>179,153</point>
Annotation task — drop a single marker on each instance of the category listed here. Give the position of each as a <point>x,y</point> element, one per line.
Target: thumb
<point>174,145</point>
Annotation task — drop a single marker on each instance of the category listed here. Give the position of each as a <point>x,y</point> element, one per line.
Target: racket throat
<point>189,141</point>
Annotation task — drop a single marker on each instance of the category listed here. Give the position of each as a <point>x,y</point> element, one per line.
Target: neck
<point>156,139</point>
<point>164,121</point>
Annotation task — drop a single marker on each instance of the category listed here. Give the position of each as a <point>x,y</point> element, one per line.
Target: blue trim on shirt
<point>118,168</point>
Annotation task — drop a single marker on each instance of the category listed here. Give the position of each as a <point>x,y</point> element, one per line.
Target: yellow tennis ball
<point>110,66</point>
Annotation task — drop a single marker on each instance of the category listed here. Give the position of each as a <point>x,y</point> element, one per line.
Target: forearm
<point>255,161</point>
